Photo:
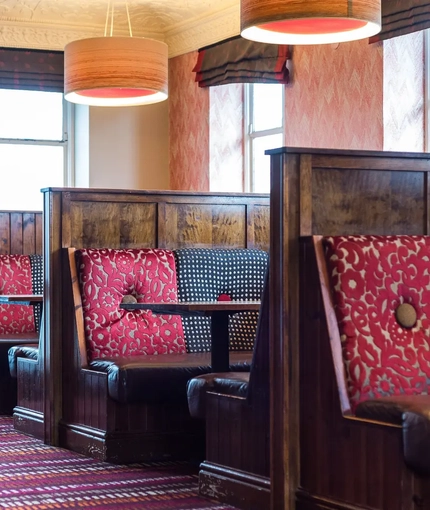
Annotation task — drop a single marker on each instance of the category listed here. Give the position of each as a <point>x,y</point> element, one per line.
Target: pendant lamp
<point>115,71</point>
<point>309,21</point>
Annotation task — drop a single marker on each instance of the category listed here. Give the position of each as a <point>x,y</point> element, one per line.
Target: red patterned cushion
<point>105,276</point>
<point>15,278</point>
<point>370,277</point>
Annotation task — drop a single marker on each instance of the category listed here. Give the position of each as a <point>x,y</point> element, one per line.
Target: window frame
<point>251,134</point>
<point>67,143</point>
<point>427,90</point>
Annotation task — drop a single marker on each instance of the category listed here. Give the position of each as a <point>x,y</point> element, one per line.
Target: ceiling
<point>185,25</point>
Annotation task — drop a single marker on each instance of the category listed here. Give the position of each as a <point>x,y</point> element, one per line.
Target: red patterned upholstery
<point>15,278</point>
<point>370,277</point>
<point>105,277</point>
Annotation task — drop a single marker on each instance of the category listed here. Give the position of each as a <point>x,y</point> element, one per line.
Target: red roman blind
<point>31,69</point>
<point>239,60</point>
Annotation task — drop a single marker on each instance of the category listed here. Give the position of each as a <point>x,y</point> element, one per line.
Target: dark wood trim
<point>306,195</point>
<point>307,502</point>
<point>166,195</point>
<point>51,352</point>
<point>285,217</point>
<point>331,319</point>
<point>29,422</point>
<point>360,154</point>
<point>234,487</point>
<point>79,316</point>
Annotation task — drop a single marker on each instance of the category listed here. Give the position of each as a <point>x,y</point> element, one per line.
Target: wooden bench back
<point>323,192</point>
<point>20,232</point>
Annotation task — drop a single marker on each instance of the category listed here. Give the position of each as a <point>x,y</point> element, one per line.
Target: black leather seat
<point>163,378</point>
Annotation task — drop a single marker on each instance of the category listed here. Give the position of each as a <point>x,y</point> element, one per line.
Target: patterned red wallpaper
<point>188,127</point>
<point>336,97</point>
<point>345,96</point>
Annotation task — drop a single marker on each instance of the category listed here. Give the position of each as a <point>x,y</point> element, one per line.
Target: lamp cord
<point>111,14</point>
<point>128,18</point>
<point>107,18</point>
<point>111,20</point>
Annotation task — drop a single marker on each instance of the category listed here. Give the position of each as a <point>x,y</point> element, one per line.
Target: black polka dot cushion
<point>213,274</point>
<point>36,263</point>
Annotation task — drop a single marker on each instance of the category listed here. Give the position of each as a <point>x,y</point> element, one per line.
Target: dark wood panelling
<point>114,225</point>
<point>258,226</point>
<point>20,232</point>
<point>388,200</point>
<point>205,226</point>
<point>331,192</point>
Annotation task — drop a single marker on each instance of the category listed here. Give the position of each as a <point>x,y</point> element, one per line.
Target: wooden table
<point>219,311</point>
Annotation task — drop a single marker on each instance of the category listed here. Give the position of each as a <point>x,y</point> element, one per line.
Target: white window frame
<point>67,143</point>
<point>251,134</point>
<point>427,90</point>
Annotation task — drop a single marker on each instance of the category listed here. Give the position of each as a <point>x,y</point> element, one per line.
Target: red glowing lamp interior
<point>314,25</point>
<point>116,93</point>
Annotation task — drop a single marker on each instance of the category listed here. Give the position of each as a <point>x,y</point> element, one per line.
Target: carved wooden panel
<point>113,224</point>
<point>367,202</point>
<point>259,221</point>
<point>201,225</point>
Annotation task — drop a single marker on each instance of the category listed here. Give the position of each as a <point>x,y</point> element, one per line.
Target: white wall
<point>127,147</point>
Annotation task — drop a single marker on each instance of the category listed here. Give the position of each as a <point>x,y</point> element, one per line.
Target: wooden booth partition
<point>84,218</point>
<point>329,192</point>
<point>20,232</point>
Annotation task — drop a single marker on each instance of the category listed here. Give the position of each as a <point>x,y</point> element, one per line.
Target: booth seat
<point>363,372</point>
<point>19,324</point>
<point>129,401</point>
<point>381,297</point>
<point>149,357</point>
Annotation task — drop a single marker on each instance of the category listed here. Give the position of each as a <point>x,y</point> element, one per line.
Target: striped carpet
<point>36,476</point>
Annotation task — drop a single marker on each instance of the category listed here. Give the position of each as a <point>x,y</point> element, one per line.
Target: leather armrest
<point>413,413</point>
<point>228,383</point>
<point>29,351</point>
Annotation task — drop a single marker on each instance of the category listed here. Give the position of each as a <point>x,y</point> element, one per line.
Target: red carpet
<point>36,476</point>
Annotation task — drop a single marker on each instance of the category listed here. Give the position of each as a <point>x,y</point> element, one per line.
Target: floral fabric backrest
<point>105,277</point>
<point>371,276</point>
<point>16,278</point>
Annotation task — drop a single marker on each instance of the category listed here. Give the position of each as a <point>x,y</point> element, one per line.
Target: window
<point>264,129</point>
<point>33,146</point>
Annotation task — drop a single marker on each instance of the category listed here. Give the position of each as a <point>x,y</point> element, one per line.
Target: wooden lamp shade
<point>309,21</point>
<point>115,71</point>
